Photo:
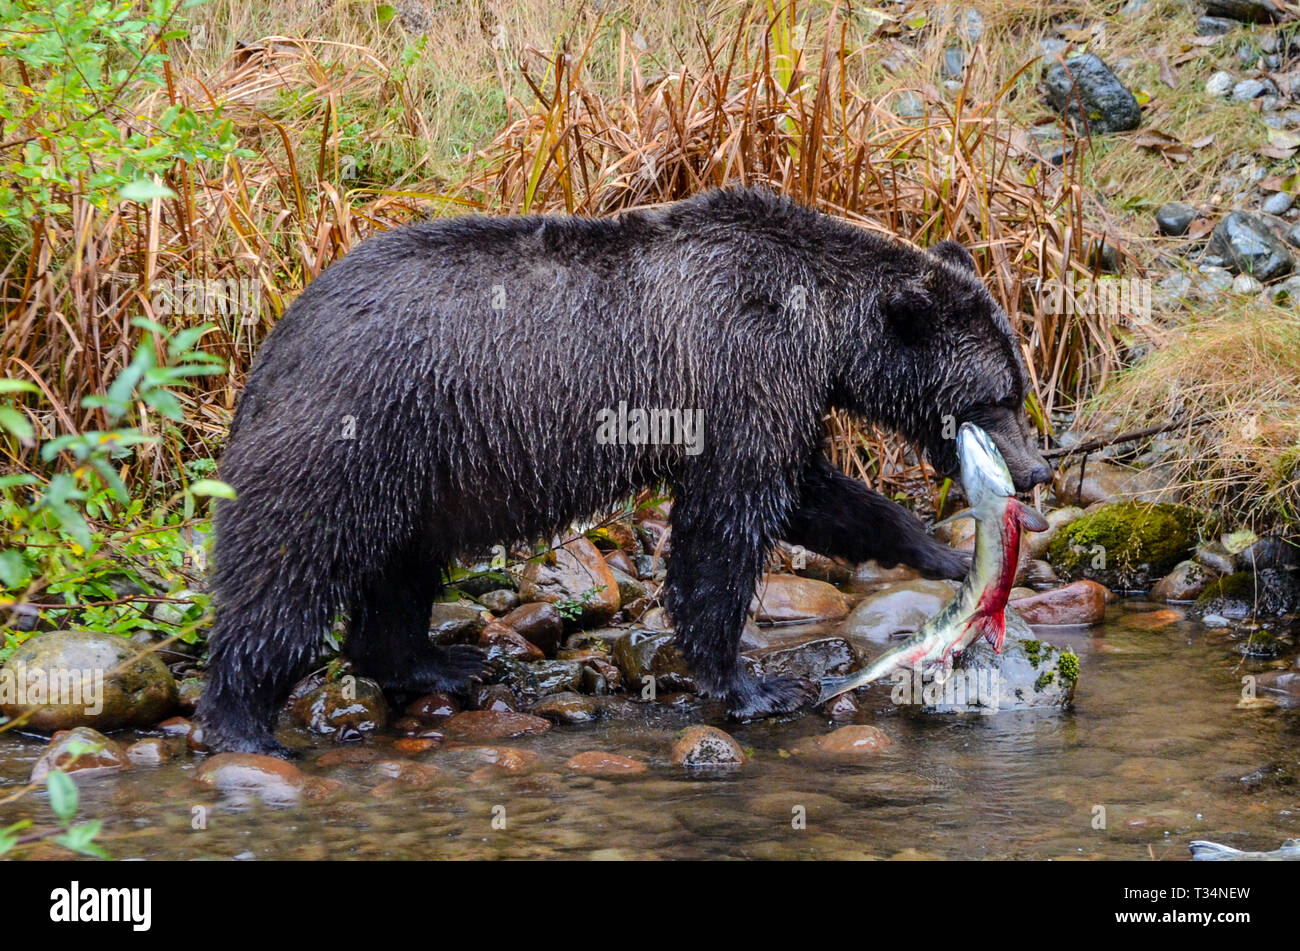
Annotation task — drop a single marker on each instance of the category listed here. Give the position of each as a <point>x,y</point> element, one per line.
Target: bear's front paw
<point>458,666</point>
<point>754,698</point>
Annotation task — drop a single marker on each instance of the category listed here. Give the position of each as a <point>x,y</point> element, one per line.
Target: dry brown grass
<point>646,104</point>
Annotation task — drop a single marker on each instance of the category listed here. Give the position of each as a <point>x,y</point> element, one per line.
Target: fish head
<point>984,473</point>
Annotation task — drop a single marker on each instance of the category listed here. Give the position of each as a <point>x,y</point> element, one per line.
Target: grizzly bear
<point>440,389</point>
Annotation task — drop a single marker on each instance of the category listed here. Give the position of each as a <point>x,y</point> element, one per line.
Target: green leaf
<point>213,487</point>
<point>18,386</point>
<point>81,839</point>
<point>385,12</point>
<point>144,190</point>
<point>13,420</point>
<point>63,795</point>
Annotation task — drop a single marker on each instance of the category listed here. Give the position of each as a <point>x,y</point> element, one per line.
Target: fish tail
<point>832,687</point>
<point>994,629</point>
<point>1210,850</point>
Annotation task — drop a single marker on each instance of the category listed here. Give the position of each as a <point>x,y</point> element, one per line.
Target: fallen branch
<point>1101,443</point>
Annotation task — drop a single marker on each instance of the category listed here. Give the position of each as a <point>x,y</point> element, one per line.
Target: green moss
<point>1122,536</point>
<point>1044,679</point>
<point>1263,644</point>
<point>1068,667</point>
<point>1235,587</point>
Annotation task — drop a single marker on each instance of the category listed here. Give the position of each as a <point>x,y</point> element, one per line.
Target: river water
<point>1160,748</point>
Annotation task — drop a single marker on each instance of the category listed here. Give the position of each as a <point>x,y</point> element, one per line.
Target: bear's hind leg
<point>389,636</point>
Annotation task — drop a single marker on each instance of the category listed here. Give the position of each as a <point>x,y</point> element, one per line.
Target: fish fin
<point>994,629</point>
<point>1031,520</point>
<point>955,517</point>
<point>1203,850</point>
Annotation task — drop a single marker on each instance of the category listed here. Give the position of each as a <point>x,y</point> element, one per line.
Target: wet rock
<point>1028,674</point>
<point>1215,557</point>
<point>504,759</point>
<point>567,708</point>
<point>455,624</point>
<point>346,708</point>
<point>1107,482</point>
<point>501,639</point>
<point>188,692</point>
<point>630,589</point>
<point>494,725</point>
<point>1037,543</point>
<point>1271,592</point>
<point>80,750</point>
<point>899,607</point>
<point>642,654</point>
<point>618,536</point>
<point>811,658</point>
<point>531,682</point>
<point>499,601</point>
<point>1245,11</point>
<point>1125,544</point>
<point>433,708</point>
<point>1174,218</point>
<point>1267,552</point>
<point>706,747</point>
<point>1106,105</point>
<point>1039,575</point>
<point>539,622</point>
<point>1280,683</point>
<point>871,572</point>
<point>249,777</point>
<point>150,751</point>
<point>496,697</point>
<point>576,580</point>
<point>1249,246</point>
<point>619,560</point>
<point>852,741</point>
<point>413,745</point>
<point>596,763</point>
<point>65,679</point>
<point>1083,602</point>
<point>1184,583</point>
<point>792,598</point>
<point>405,772</point>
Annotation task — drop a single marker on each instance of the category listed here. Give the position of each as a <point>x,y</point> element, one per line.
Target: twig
<point>1104,441</point>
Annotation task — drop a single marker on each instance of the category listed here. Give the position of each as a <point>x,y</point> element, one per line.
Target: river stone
<point>1277,203</point>
<point>346,708</point>
<point>494,725</point>
<point>630,589</point>
<point>1125,544</point>
<point>1037,543</point>
<point>1083,602</point>
<point>1107,105</point>
<point>575,576</point>
<point>531,682</point>
<point>1245,11</point>
<point>539,622</point>
<point>433,708</point>
<point>249,777</point>
<point>451,623</point>
<point>151,751</point>
<point>137,689</point>
<point>596,763</point>
<point>80,750</point>
<point>899,607</point>
<point>1271,592</point>
<point>567,708</point>
<point>1267,552</point>
<point>501,639</point>
<point>792,598</point>
<point>1107,482</point>
<point>1283,684</point>
<point>1249,246</point>
<point>703,747</point>
<point>499,600</point>
<point>1174,218</point>
<point>1030,673</point>
<point>1184,583</point>
<point>811,659</point>
<point>851,741</point>
<point>642,654</point>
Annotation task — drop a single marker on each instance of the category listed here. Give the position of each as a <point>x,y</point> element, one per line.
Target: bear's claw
<point>756,698</point>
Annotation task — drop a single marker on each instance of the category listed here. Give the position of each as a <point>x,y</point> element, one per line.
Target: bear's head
<point>946,355</point>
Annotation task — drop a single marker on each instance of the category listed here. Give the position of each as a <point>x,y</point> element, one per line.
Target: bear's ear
<point>953,253</point>
<point>909,313</point>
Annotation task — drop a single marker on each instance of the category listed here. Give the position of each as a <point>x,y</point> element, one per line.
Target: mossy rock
<point>1271,592</point>
<point>1126,544</point>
